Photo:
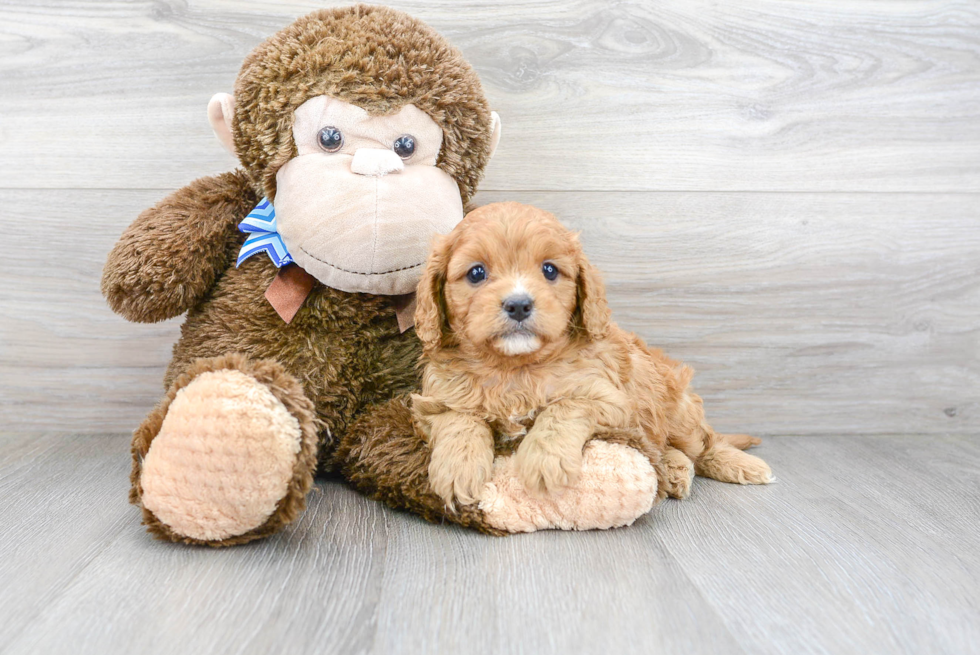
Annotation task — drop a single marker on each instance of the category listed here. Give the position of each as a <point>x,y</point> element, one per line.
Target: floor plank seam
<point>50,604</point>
<point>691,583</point>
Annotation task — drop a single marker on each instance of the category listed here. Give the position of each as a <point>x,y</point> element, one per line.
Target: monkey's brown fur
<point>341,367</point>
<point>375,58</point>
<point>342,357</point>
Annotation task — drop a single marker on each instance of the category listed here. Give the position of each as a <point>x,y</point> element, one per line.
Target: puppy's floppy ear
<point>591,310</point>
<point>431,322</point>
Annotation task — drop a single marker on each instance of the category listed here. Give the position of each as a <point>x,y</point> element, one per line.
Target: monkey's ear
<point>221,111</point>
<point>494,132</point>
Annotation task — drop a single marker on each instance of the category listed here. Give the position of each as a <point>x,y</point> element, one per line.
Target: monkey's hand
<point>171,255</point>
<point>462,457</point>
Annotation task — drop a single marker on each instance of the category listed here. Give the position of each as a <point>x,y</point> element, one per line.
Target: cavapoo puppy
<point>519,345</point>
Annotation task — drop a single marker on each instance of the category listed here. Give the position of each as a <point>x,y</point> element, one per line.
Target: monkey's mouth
<point>344,270</point>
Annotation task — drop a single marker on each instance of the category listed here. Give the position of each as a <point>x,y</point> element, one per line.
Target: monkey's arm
<point>172,253</point>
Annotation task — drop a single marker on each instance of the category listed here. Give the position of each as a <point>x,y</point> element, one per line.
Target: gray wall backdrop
<point>784,194</point>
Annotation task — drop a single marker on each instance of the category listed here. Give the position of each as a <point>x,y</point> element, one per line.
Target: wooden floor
<point>864,545</point>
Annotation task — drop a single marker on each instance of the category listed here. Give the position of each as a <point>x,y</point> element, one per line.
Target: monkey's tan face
<point>359,205</point>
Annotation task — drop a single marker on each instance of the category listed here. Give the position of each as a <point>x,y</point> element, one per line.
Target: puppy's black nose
<point>518,307</point>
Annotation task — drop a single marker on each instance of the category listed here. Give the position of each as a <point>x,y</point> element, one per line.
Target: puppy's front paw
<point>546,463</point>
<point>458,470</point>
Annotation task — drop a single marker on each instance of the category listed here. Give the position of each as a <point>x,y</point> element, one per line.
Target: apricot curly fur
<point>573,374</point>
<point>386,459</point>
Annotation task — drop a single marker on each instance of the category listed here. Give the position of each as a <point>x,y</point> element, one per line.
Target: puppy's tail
<point>740,441</point>
<point>727,463</point>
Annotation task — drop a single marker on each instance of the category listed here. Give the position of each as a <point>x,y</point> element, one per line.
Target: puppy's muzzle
<point>518,308</point>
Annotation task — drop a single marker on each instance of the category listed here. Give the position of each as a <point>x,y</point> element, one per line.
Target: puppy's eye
<point>550,271</point>
<point>476,274</point>
<point>404,146</point>
<point>330,139</point>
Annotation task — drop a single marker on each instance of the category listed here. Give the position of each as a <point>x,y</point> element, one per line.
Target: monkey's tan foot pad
<point>617,485</point>
<point>223,458</point>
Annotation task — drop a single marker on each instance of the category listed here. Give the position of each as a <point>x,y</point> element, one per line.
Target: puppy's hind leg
<point>740,441</point>
<point>715,456</point>
<point>727,464</point>
<point>677,472</point>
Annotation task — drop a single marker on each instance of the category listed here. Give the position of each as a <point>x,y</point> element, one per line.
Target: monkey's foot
<point>616,486</point>
<point>226,454</point>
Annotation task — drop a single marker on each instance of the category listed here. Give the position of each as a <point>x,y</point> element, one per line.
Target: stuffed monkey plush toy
<point>361,134</point>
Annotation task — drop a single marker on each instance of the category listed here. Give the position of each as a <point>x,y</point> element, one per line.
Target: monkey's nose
<point>518,308</point>
<point>376,162</point>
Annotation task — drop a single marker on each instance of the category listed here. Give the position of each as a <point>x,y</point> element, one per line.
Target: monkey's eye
<point>550,271</point>
<point>330,139</point>
<point>404,146</point>
<point>476,274</point>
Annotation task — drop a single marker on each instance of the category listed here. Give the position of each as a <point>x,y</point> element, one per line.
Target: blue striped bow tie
<point>260,225</point>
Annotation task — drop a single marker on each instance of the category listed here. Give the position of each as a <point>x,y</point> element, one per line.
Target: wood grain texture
<point>597,592</point>
<point>803,313</point>
<point>865,544</point>
<point>60,505</point>
<point>676,95</point>
<point>311,589</point>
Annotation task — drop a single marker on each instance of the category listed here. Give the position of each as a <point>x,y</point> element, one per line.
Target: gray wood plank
<point>350,576</point>
<point>746,95</point>
<point>864,545</point>
<point>803,313</point>
<point>312,588</point>
<point>356,578</point>
<point>65,359</point>
<point>62,500</point>
<point>447,591</point>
